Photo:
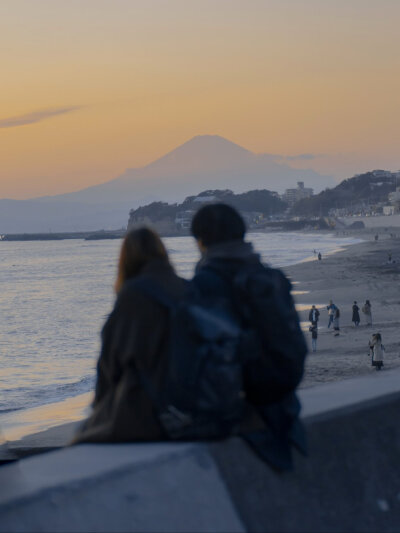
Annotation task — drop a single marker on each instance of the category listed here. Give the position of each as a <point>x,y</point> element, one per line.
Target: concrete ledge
<point>154,487</point>
<point>351,482</point>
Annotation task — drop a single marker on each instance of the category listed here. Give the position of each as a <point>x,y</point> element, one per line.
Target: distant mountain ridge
<point>203,162</point>
<point>206,161</point>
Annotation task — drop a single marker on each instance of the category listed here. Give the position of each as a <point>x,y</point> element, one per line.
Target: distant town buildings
<point>394,203</point>
<point>205,199</point>
<point>291,196</point>
<point>385,174</point>
<point>183,219</point>
<point>389,210</point>
<point>394,197</point>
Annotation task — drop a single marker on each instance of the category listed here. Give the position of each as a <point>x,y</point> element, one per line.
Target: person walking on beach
<point>331,312</point>
<point>230,272</point>
<point>319,256</point>
<point>356,314</point>
<point>336,326</point>
<point>313,315</point>
<point>314,337</point>
<point>377,349</point>
<point>367,310</point>
<point>135,336</point>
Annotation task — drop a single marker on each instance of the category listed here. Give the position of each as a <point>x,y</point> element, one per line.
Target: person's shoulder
<point>131,295</point>
<point>207,280</point>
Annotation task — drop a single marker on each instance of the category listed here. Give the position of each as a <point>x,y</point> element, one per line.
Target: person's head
<point>367,302</point>
<point>355,303</point>
<point>378,337</point>
<point>313,307</point>
<point>330,302</point>
<point>139,247</point>
<point>217,223</point>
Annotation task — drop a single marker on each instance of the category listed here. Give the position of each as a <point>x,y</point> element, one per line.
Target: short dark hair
<point>216,223</point>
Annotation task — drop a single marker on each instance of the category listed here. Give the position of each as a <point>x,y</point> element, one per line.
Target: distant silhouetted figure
<point>367,310</point>
<point>331,312</point>
<point>376,237</point>
<point>377,349</point>
<point>313,315</point>
<point>319,256</point>
<point>356,315</point>
<point>336,326</point>
<point>314,336</point>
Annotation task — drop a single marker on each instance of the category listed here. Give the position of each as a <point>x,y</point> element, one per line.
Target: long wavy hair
<point>140,246</point>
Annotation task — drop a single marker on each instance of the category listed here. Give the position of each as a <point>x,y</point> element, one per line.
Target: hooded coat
<point>135,336</point>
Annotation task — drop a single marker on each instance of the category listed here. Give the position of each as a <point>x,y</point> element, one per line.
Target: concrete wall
<point>381,221</point>
<point>350,482</point>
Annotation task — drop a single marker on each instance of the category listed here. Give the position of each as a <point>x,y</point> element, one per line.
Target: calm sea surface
<point>55,296</point>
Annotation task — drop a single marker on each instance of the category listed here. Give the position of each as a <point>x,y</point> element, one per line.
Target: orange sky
<point>91,87</point>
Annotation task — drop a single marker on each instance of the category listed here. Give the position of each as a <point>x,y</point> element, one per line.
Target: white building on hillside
<point>394,199</point>
<point>183,219</point>
<point>292,196</point>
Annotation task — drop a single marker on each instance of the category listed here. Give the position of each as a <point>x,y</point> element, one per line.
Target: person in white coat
<point>377,349</point>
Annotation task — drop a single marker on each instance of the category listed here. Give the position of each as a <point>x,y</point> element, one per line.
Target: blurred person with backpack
<point>230,274</point>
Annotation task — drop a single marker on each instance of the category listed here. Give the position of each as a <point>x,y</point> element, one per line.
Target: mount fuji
<point>204,162</point>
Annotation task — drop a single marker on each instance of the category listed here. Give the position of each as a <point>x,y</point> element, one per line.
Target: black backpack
<point>202,396</point>
<point>262,300</point>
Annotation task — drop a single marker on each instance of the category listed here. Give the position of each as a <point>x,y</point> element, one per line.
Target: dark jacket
<point>356,314</point>
<point>134,336</point>
<point>271,429</point>
<point>314,331</point>
<point>313,315</point>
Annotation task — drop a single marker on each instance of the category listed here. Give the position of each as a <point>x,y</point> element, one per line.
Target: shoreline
<point>30,427</point>
<point>359,272</point>
<point>336,359</point>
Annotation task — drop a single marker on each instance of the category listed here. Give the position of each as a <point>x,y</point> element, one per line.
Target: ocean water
<point>55,296</point>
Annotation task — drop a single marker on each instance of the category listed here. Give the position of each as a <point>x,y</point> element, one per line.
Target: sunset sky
<point>91,87</point>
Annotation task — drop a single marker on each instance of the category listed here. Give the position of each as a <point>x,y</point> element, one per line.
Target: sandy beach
<point>358,272</point>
